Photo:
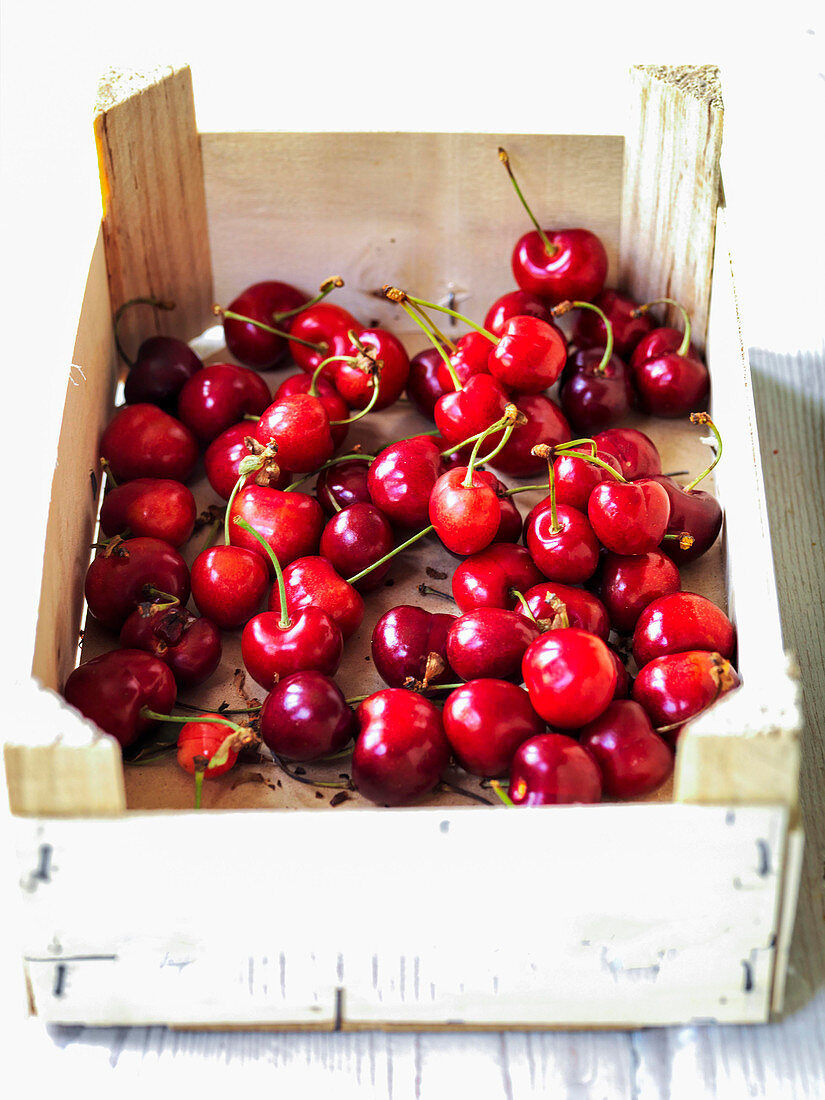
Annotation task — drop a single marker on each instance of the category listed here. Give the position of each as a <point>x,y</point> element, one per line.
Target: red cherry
<point>355,538</point>
<point>402,477</point>
<point>576,267</point>
<point>424,383</point>
<point>112,689</point>
<point>464,511</point>
<point>250,344</point>
<point>219,396</point>
<point>583,610</point>
<point>300,425</point>
<point>594,395</point>
<point>516,303</point>
<point>632,758</point>
<point>190,646</point>
<point>487,579</point>
<point>510,523</point>
<point>659,342</point>
<point>343,484</point>
<point>575,478</point>
<point>553,769</point>
<point>144,441</point>
<point>563,545</point>
<point>694,511</point>
<point>116,578</point>
<point>201,738</point>
<point>623,681</point>
<point>636,452</point>
<point>313,581</point>
<point>305,717</point>
<point>327,326</point>
<point>356,386</point>
<point>629,517</point>
<point>223,457</point>
<point>489,642</point>
<point>162,366</point>
<point>402,641</point>
<point>156,507</point>
<point>401,750</point>
<point>677,687</point>
<point>336,407</point>
<point>680,622</point>
<point>228,584</point>
<point>485,722</point>
<point>546,423</point>
<point>570,677</point>
<point>272,648</point>
<point>290,522</point>
<point>479,403</point>
<point>589,330</point>
<point>672,385</point>
<point>630,583</point>
<point>529,356</point>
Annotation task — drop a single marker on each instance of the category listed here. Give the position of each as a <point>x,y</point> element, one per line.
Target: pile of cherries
<point>530,682</point>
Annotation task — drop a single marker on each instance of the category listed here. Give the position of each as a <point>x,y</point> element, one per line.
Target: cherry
<point>209,746</point>
<point>628,327</point>
<point>630,583</point>
<point>251,344</point>
<point>596,395</point>
<point>224,455</point>
<point>544,423</point>
<point>312,580</point>
<point>560,539</point>
<point>424,385</point>
<point>144,441</point>
<point>636,452</point>
<point>356,537</point>
<point>510,522</point>
<point>156,507</point>
<point>490,642</point>
<point>576,478</point>
<point>116,578</point>
<point>553,769</point>
<point>677,687</point>
<point>570,677</point>
<point>629,517</point>
<point>623,680</point>
<point>485,722</point>
<point>401,750</point>
<point>219,396</point>
<point>290,522</point>
<point>462,415</point>
<point>327,327</point>
<point>471,356</point>
<point>162,365</point>
<point>342,484</point>
<point>529,355</point>
<point>189,645</point>
<point>487,579</point>
<point>557,264</point>
<point>680,622</point>
<point>391,363</point>
<point>300,426</point>
<point>464,511</point>
<point>671,383</point>
<point>401,479</point>
<point>112,689</point>
<point>228,584</point>
<point>336,407</point>
<point>632,758</point>
<point>403,641</point>
<point>306,717</point>
<point>659,342</point>
<point>557,605</point>
<point>516,303</point>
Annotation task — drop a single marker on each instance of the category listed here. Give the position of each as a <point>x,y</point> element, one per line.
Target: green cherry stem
<point>395,294</point>
<point>147,712</point>
<point>542,450</point>
<point>685,344</point>
<point>508,431</point>
<point>502,794</point>
<point>316,374</point>
<point>565,307</point>
<point>522,489</point>
<point>228,314</point>
<point>593,461</point>
<point>327,286</point>
<point>704,419</point>
<point>471,465</point>
<point>431,337</point>
<point>396,550</point>
<point>519,596</point>
<point>326,466</point>
<point>573,443</point>
<point>361,412</point>
<point>439,335</point>
<point>201,764</point>
<point>551,249</point>
<point>284,623</point>
<point>158,303</point>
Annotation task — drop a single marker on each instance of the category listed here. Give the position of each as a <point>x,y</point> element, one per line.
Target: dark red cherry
<point>464,510</point>
<point>672,385</point>
<point>300,425</point>
<point>222,460</point>
<point>219,396</point>
<point>336,407</point>
<point>485,722</point>
<point>630,583</point>
<point>489,642</point>
<point>313,581</point>
<point>565,549</point>
<point>156,507</point>
<point>144,441</point>
<point>570,677</point>
<point>251,345</point>
<point>551,599</point>
<point>677,687</point>
<point>680,622</point>
<point>629,517</point>
<point>546,423</point>
<point>305,717</point>
<point>401,479</point>
<point>636,452</point>
<point>393,363</point>
<point>229,584</point>
<point>595,397</point>
<point>424,385</point>
<point>116,578</point>
<point>290,522</point>
<point>623,680</point>
<point>510,523</point>
<point>162,366</point>
<point>553,769</point>
<point>402,641</point>
<point>343,484</point>
<point>401,750</point>
<point>487,579</point>
<point>632,758</point>
<point>694,511</point>
<point>589,330</point>
<point>189,645</point>
<point>355,538</point>
<point>272,647</point>
<point>112,689</point>
<point>516,303</point>
<point>529,356</point>
<point>576,478</point>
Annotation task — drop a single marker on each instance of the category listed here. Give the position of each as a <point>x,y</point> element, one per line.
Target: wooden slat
<point>671,187</point>
<point>154,206</point>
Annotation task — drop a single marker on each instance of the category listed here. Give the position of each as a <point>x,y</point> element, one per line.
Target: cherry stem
<point>164,599</point>
<point>300,778</point>
<point>434,341</point>
<point>316,374</point>
<point>704,419</point>
<point>515,592</point>
<point>158,303</point>
<point>685,344</point>
<point>230,315</point>
<point>502,794</point>
<point>478,435</point>
<point>439,335</point>
<point>542,450</point>
<point>284,623</point>
<point>551,249</point>
<point>201,764</point>
<point>147,712</point>
<point>235,490</point>
<point>565,307</point>
<point>428,590</point>
<point>332,462</point>
<point>107,469</point>
<point>522,489</point>
<point>237,710</point>
<point>508,431</point>
<point>327,286</point>
<point>471,465</point>
<point>593,461</point>
<point>574,443</point>
<point>214,528</point>
<point>362,412</point>
<point>450,313</point>
<point>396,550</point>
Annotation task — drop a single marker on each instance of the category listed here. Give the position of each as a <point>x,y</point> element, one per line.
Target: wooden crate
<point>269,907</point>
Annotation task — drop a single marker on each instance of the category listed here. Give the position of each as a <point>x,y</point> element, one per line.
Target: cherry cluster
<point>553,607</point>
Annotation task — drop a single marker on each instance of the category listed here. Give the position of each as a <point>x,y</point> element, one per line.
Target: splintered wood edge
<point>700,81</point>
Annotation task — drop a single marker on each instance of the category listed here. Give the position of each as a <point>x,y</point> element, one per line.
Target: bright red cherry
<point>189,645</point>
<point>550,601</point>
<point>487,579</point>
<point>544,423</point>
<point>313,581</point>
<point>632,758</point>
<point>630,583</point>
<point>328,327</point>
<point>629,517</point>
<point>219,396</point>
<point>553,769</point>
<point>300,425</point>
<point>223,457</point>
<point>403,641</point>
<point>393,363</point>
<point>659,342</point>
<point>356,537</point>
<point>485,722</point>
<point>490,642</point>
<point>156,507</point>
<point>401,479</point>
<point>570,677</point>
<point>229,584</point>
<point>336,407</point>
<point>273,646</point>
<point>529,355</point>
<point>305,717</point>
<point>116,578</point>
<point>249,343</point>
<point>636,452</point>
<point>673,382</point>
<point>290,522</point>
<point>480,402</point>
<point>516,303</point>
<point>677,687</point>
<point>144,441</point>
<point>464,510</point>
<point>680,622</point>
<point>562,543</point>
<point>576,478</point>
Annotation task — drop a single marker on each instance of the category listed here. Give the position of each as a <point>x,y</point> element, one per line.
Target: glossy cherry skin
<point>219,396</point>
<point>189,645</point>
<point>313,581</point>
<point>485,722</point>
<point>630,583</point>
<point>583,609</point>
<point>205,739</point>
<point>424,384</point>
<point>553,769</point>
<point>637,454</point>
<point>516,303</point>
<point>546,423</point>
<point>674,688</point>
<point>623,679</point>
<point>589,330</point>
<point>116,578</point>
<point>305,717</point>
<point>394,369</point>
<point>253,346</point>
<point>570,553</point>
<point>343,484</point>
<point>465,517</point>
<point>529,355</point>
<point>326,325</point>
<point>156,507</point>
<point>162,366</point>
<point>401,750</point>
<point>401,479</point>
<point>486,579</point>
<point>471,356</point>
<point>222,460</point>
<point>672,385</point>
<point>490,641</point>
<point>511,523</point>
<point>402,640</point>
<point>271,651</point>
<point>629,517</point>
<point>144,441</point>
<point>658,342</point>
<point>570,676</point>
<point>697,512</point>
<point>336,407</point>
<point>679,622</point>
<point>476,406</point>
<point>111,689</point>
<point>576,478</point>
<point>354,539</point>
<point>576,270</point>
<point>300,426</point>
<point>229,584</point>
<point>632,758</point>
<point>594,399</point>
<point>290,522</point>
